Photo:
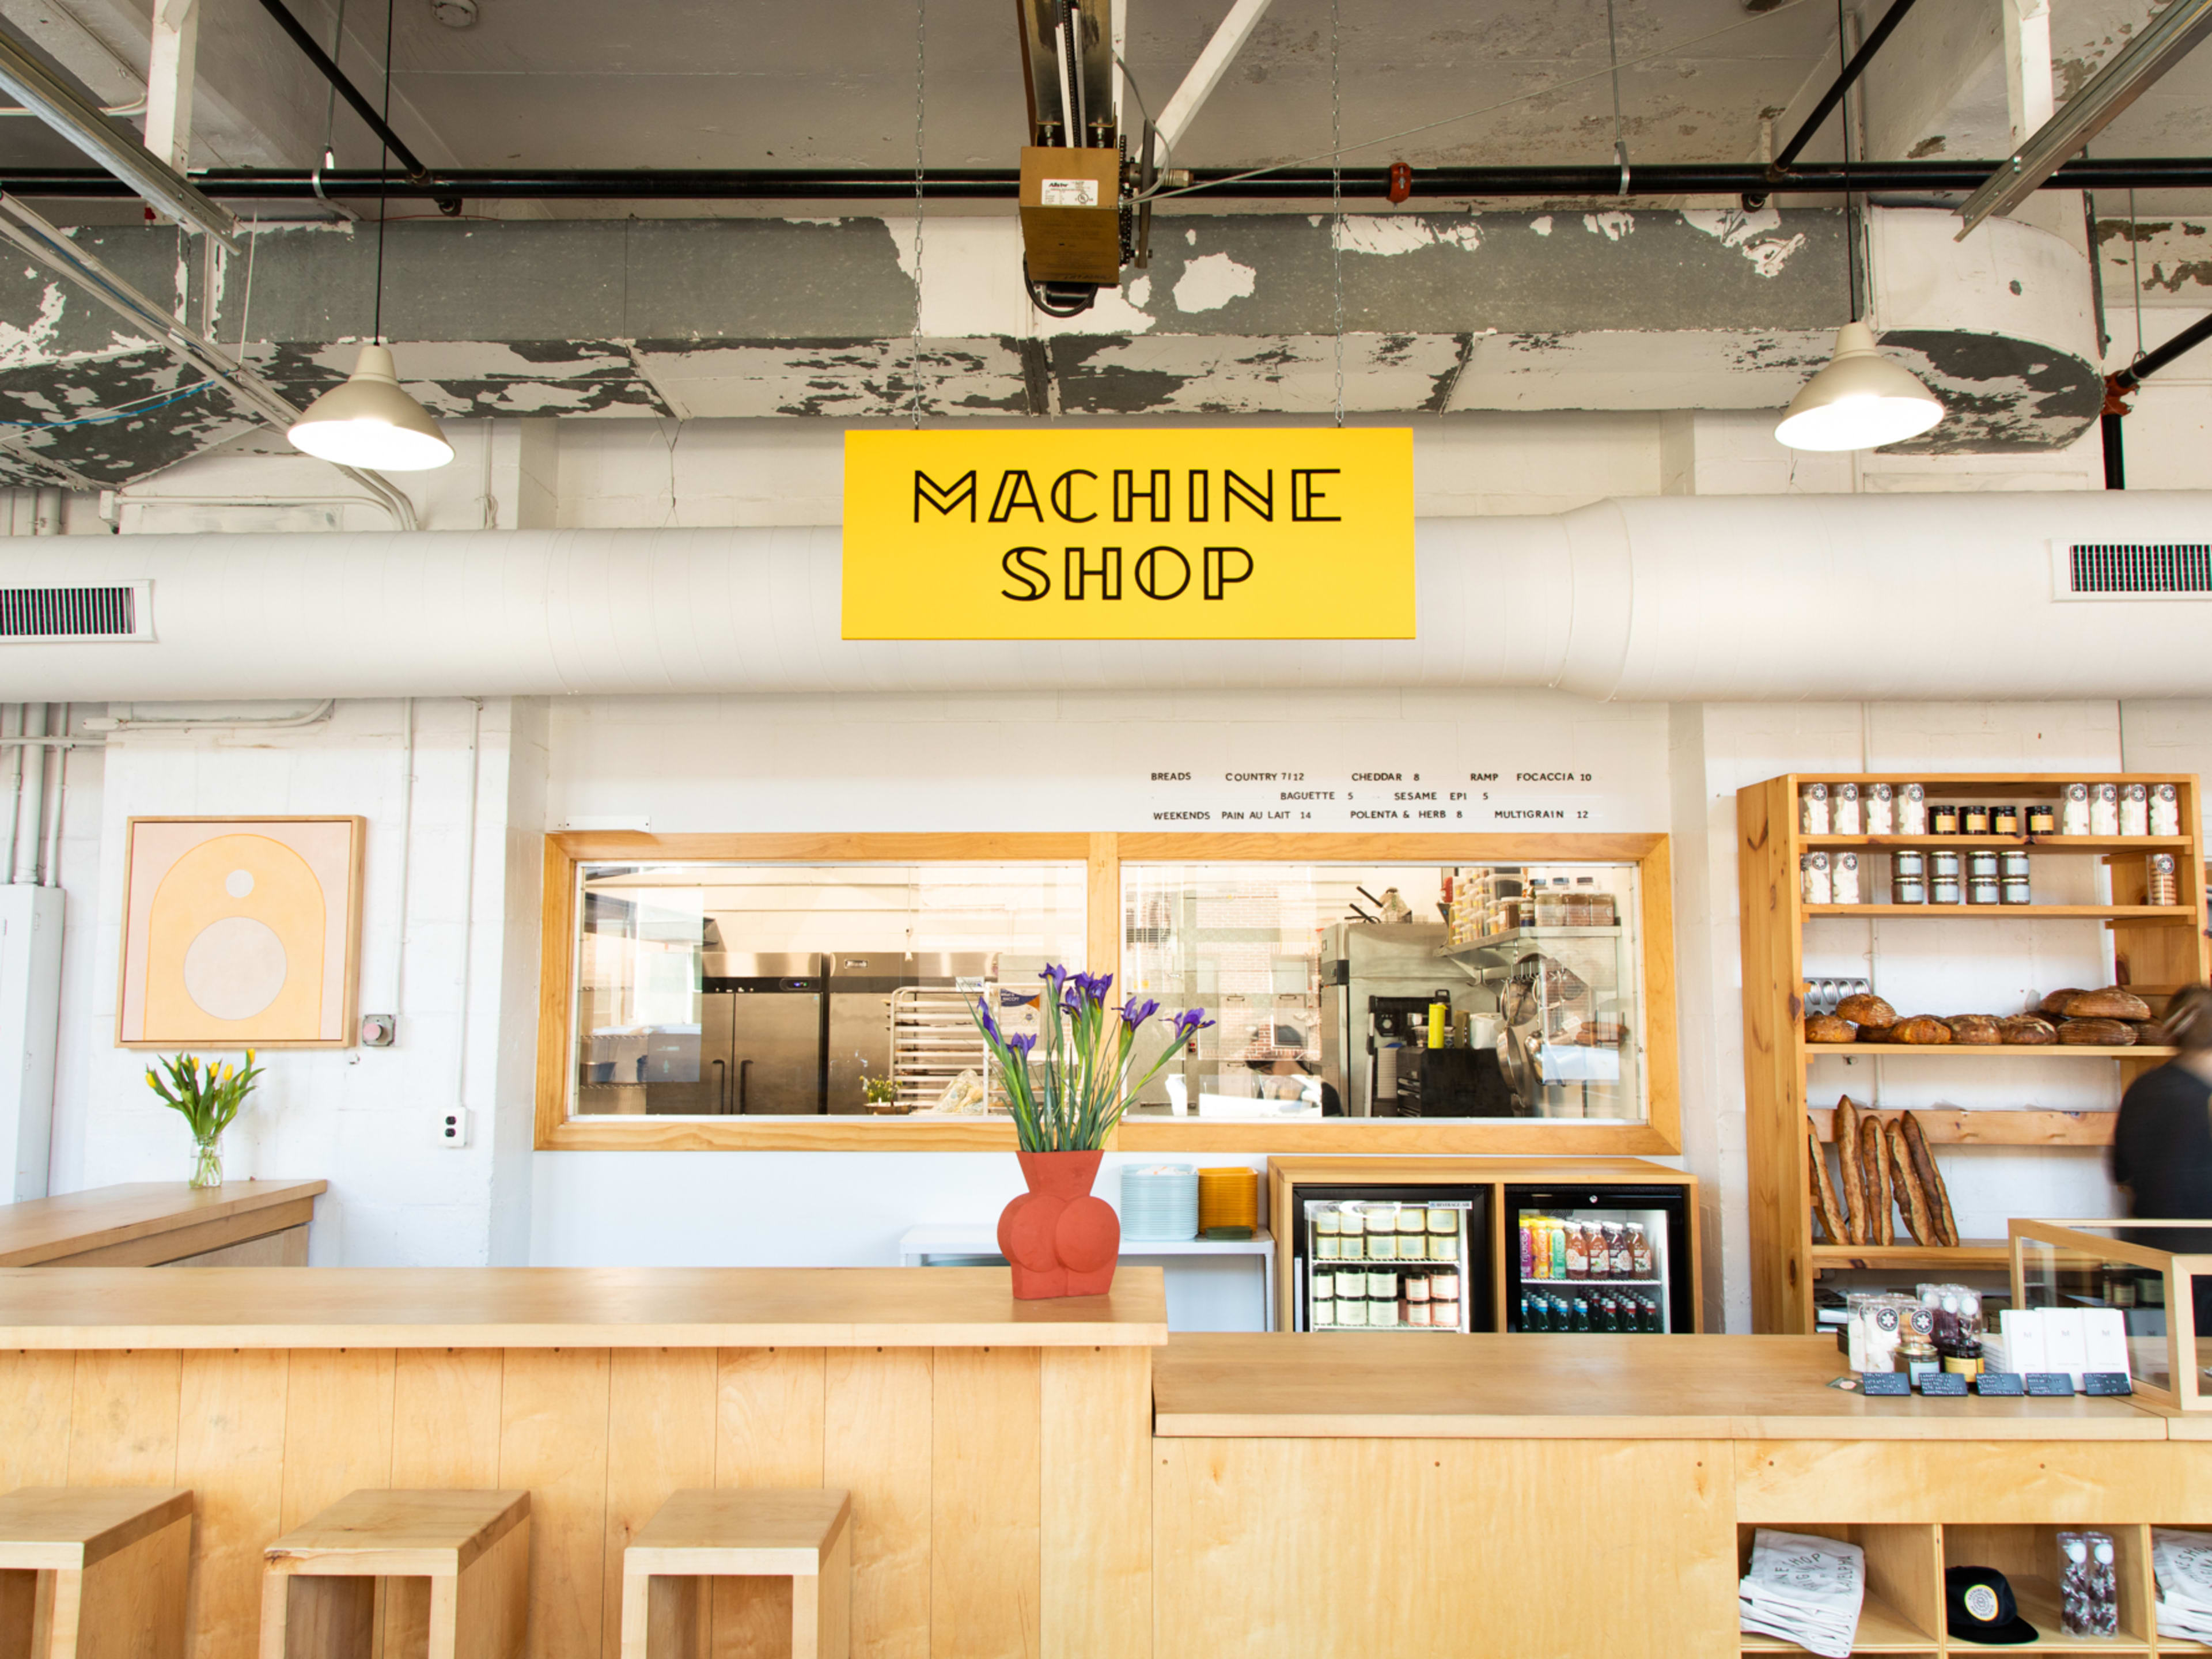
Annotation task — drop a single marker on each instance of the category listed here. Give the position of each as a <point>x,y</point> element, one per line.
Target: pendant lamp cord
<point>920,107</point>
<point>331,102</point>
<point>383,154</point>
<point>1844,113</point>
<point>1612,48</point>
<point>2135,272</point>
<point>1336,193</point>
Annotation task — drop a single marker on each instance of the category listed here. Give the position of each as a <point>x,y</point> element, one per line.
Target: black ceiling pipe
<point>1439,186</point>
<point>2116,387</point>
<point>322,60</point>
<point>1834,95</point>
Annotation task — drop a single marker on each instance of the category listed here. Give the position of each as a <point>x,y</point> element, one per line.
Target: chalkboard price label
<point>1943,1385</point>
<point>2049,1385</point>
<point>1997,1385</point>
<point>2106,1383</point>
<point>1888,1382</point>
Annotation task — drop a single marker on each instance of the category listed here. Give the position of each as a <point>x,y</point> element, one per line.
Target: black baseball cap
<point>1979,1607</point>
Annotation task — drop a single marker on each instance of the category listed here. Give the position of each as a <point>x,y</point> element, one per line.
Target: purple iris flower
<point>1190,1021</point>
<point>1055,975</point>
<point>1022,1043</point>
<point>1135,1013</point>
<point>990,1026</point>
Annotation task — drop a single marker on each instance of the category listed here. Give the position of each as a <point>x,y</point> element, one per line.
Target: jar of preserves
<point>1940,865</point>
<point>2042,821</point>
<point>2014,892</point>
<point>1907,862</point>
<point>1942,819</point>
<point>1943,890</point>
<point>1981,864</point>
<point>1908,890</point>
<point>2012,867</point>
<point>1981,890</point>
<point>1350,1312</point>
<point>2004,820</point>
<point>1973,820</point>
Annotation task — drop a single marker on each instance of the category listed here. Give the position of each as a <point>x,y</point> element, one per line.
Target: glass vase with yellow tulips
<point>207,1096</point>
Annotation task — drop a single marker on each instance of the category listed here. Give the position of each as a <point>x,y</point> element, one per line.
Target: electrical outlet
<point>453,1129</point>
<point>379,1030</point>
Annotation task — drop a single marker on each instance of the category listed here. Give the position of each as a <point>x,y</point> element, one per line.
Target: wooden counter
<point>240,1224</point>
<point>567,1308</point>
<point>997,1452</point>
<point>1578,1387</point>
<point>1590,1494</point>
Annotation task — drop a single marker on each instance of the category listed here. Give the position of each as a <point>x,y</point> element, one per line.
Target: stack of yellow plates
<point>1228,1197</point>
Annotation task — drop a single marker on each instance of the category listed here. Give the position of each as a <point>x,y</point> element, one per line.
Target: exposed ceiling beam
<point>345,88</point>
<point>53,248</point>
<point>2164,42</point>
<point>1176,116</point>
<point>1431,185</point>
<point>160,186</point>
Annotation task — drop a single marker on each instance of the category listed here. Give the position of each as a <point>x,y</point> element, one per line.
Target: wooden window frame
<point>1103,855</point>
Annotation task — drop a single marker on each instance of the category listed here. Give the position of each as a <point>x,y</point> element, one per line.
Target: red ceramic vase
<point>1060,1240</point>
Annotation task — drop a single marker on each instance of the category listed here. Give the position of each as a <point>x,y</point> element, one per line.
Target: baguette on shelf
<point>1887,1170</point>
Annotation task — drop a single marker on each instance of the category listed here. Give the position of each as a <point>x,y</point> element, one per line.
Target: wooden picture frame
<point>1103,854</point>
<point>240,932</point>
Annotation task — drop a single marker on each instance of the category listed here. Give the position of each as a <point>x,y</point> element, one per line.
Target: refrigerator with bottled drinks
<point>1598,1258</point>
<point>1414,1258</point>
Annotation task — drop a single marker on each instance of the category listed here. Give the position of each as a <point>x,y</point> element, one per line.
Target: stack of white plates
<point>1159,1201</point>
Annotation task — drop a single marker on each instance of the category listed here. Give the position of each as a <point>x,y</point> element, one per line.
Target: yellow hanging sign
<point>1285,533</point>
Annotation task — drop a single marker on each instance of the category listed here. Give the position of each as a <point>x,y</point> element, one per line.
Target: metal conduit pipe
<point>27,832</point>
<point>997,184</point>
<point>1650,599</point>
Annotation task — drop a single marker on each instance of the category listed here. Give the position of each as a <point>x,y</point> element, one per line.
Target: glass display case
<point>2157,1275</point>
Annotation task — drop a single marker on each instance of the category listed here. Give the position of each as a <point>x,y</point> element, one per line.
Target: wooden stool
<point>803,1535</point>
<point>318,1586</point>
<point>95,1569</point>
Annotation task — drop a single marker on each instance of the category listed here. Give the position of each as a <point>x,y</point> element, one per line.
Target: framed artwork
<point>240,932</point>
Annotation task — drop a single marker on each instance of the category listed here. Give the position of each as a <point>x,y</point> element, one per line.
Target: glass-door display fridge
<point>1391,1259</point>
<point>1598,1259</point>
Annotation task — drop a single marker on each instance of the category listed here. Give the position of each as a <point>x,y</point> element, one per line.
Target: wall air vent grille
<point>2160,570</point>
<point>31,616</point>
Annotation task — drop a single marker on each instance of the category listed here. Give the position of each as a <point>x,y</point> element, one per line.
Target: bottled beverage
<point>1639,1251</point>
<point>1654,1318</point>
<point>1577,1251</point>
<point>1527,1249</point>
<point>1608,1314</point>
<point>1581,1314</point>
<point>1532,1313</point>
<point>1558,1232</point>
<point>1624,1257</point>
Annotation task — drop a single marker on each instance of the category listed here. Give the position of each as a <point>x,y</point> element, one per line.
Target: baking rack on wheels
<point>2155,948</point>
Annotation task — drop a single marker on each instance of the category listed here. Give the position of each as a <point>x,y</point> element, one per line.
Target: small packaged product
<point>1911,809</point>
<point>2105,809</point>
<point>1819,884</point>
<point>2074,810</point>
<point>2088,1584</point>
<point>2135,809</point>
<point>1813,809</point>
<point>2165,810</point>
<point>1878,806</point>
<point>1843,879</point>
<point>1843,809</point>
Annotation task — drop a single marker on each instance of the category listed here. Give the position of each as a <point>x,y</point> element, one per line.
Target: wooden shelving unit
<point>2156,948</point>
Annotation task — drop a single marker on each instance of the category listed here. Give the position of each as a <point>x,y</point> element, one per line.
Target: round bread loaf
<point>1922,1029</point>
<point>2026,1029</point>
<point>2054,1006</point>
<point>1827,1028</point>
<point>1974,1028</point>
<point>2111,1003</point>
<point>1865,1009</point>
<point>2097,1033</point>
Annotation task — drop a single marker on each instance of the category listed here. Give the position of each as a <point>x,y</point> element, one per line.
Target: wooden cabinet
<point>2156,948</point>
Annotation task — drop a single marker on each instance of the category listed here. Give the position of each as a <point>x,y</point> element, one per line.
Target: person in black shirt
<point>2162,1143</point>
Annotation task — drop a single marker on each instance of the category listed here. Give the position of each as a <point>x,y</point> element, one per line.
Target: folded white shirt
<point>1804,1589</point>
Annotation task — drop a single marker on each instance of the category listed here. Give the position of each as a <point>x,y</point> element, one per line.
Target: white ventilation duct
<point>1694,598</point>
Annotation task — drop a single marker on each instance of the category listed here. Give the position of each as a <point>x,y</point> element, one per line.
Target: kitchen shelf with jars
<point>2119,852</point>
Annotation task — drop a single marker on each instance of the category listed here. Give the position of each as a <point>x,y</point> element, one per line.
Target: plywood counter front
<point>1596,1495</point>
<point>996,1451</point>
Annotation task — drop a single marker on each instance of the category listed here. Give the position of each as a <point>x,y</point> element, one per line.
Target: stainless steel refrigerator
<point>758,1048</point>
<point>860,985</point>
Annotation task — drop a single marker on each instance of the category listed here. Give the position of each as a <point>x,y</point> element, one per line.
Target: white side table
<point>917,1245</point>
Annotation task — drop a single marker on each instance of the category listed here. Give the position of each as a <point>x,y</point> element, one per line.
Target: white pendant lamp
<point>370,421</point>
<point>1861,400</point>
